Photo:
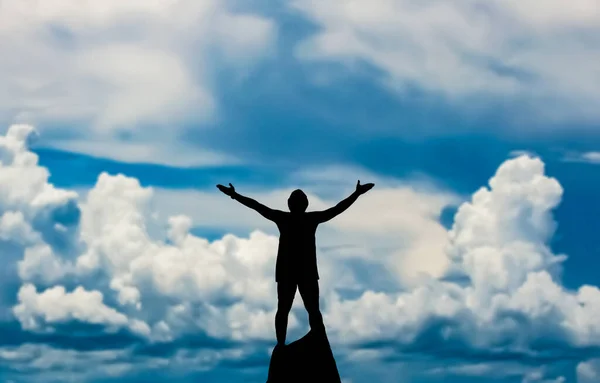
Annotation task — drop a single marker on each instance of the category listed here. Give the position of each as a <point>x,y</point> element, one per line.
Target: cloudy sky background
<point>474,259</point>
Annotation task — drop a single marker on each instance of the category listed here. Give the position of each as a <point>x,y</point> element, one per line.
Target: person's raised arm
<point>265,211</point>
<point>326,215</point>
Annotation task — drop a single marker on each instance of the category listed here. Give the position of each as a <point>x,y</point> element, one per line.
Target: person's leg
<point>309,291</point>
<point>285,298</point>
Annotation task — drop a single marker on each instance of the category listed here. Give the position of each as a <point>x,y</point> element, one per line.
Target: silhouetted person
<point>296,265</point>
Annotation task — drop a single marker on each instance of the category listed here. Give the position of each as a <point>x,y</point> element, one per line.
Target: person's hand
<point>362,189</point>
<point>230,191</point>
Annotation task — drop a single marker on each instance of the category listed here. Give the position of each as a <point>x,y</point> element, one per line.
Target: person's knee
<point>285,298</point>
<point>312,304</point>
<point>283,308</point>
<point>316,319</point>
<point>312,308</point>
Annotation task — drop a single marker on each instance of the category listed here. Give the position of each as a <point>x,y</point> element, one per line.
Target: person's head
<point>298,202</point>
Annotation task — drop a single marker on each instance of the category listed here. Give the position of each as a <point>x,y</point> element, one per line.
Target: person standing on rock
<point>296,266</point>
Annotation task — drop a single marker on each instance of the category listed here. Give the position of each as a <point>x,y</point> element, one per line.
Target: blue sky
<point>474,259</point>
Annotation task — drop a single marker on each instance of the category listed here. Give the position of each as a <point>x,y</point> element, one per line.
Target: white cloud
<point>145,152</point>
<point>143,67</point>
<point>518,153</point>
<point>111,270</point>
<point>35,217</point>
<point>501,369</point>
<point>585,157</point>
<point>588,371</point>
<point>593,157</point>
<point>55,306</point>
<point>63,364</point>
<point>43,363</point>
<point>499,245</point>
<point>538,377</point>
<point>40,264</point>
<point>536,54</point>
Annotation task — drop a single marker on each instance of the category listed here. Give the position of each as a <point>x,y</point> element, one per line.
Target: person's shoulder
<point>312,215</point>
<point>280,215</point>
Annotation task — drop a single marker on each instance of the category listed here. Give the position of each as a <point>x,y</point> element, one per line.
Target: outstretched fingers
<point>227,190</point>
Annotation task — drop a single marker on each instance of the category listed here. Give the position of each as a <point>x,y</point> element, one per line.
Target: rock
<point>309,359</point>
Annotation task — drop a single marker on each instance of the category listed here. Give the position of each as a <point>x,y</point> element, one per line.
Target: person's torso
<point>297,235</point>
<point>296,255</point>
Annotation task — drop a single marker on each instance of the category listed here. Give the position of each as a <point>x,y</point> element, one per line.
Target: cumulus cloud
<point>129,66</point>
<point>36,219</point>
<point>502,295</point>
<point>492,290</point>
<point>536,54</point>
<point>55,305</point>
